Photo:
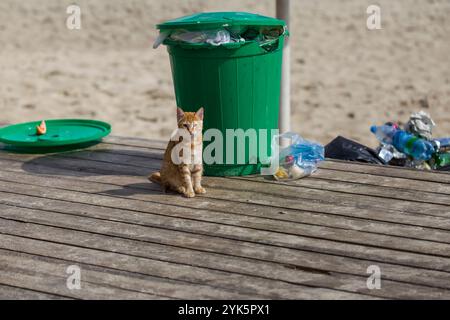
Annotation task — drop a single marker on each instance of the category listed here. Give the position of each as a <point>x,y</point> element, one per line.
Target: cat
<point>184,178</point>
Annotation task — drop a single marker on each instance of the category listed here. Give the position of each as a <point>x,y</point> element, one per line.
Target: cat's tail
<point>155,177</point>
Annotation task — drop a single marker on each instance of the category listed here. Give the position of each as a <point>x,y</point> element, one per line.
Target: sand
<point>344,76</point>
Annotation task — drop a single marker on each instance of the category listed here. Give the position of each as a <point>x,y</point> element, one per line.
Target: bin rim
<point>210,20</point>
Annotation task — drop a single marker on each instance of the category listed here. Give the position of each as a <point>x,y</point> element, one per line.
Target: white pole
<point>283,12</point>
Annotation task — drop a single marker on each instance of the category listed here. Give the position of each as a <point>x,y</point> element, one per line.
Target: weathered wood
<point>160,288</point>
<point>303,239</point>
<point>247,237</point>
<point>386,181</point>
<point>439,206</point>
<point>136,142</point>
<point>389,171</point>
<point>224,285</point>
<point>171,238</point>
<point>52,279</point>
<point>140,185</point>
<point>138,218</point>
<point>17,293</point>
<point>342,282</point>
<point>297,236</point>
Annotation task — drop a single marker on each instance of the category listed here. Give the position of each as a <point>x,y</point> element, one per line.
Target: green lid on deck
<point>210,20</point>
<point>62,132</point>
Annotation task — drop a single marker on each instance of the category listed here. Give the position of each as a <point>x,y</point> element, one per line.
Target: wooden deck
<point>247,238</point>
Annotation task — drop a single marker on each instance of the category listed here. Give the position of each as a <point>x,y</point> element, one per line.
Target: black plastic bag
<point>345,149</point>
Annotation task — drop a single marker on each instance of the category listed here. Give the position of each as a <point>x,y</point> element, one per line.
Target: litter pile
<point>264,36</point>
<point>297,160</point>
<point>413,146</point>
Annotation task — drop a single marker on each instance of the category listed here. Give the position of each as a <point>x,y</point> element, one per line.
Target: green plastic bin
<point>238,84</point>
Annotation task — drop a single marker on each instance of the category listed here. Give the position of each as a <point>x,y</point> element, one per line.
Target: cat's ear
<point>200,113</point>
<point>180,114</point>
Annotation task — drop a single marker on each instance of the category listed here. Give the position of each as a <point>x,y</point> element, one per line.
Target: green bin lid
<point>209,20</point>
<point>61,132</point>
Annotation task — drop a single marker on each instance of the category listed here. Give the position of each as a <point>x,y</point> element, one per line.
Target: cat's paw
<point>181,189</point>
<point>199,190</point>
<point>189,194</point>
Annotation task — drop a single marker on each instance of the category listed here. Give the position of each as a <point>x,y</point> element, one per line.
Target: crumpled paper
<point>420,124</point>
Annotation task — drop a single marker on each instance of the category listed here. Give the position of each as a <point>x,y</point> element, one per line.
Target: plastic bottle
<point>442,159</point>
<point>443,143</point>
<point>404,142</point>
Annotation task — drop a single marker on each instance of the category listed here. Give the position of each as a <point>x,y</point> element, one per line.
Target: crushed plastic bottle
<point>386,153</point>
<point>417,148</point>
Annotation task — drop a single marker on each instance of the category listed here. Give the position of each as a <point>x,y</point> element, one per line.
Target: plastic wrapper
<point>420,124</point>
<point>213,37</point>
<point>299,159</point>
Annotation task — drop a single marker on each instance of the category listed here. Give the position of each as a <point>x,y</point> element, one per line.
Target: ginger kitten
<point>184,178</point>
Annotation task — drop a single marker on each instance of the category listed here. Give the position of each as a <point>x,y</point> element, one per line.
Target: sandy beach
<point>344,77</point>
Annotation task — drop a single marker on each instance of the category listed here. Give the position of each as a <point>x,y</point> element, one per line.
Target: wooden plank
<point>135,142</point>
<point>268,210</point>
<point>385,181</point>
<point>248,197</point>
<point>135,185</point>
<point>84,210</point>
<point>89,167</point>
<point>53,281</point>
<point>102,157</point>
<point>203,215</point>
<point>394,186</point>
<point>280,234</point>
<point>390,171</point>
<point>171,237</point>
<point>311,204</point>
<point>308,230</point>
<point>335,173</point>
<point>330,170</point>
<point>149,143</point>
<point>15,293</point>
<point>284,235</point>
<point>140,158</point>
<point>385,196</point>
<point>134,165</point>
<point>347,166</point>
<point>390,289</point>
<point>226,285</point>
<point>159,288</point>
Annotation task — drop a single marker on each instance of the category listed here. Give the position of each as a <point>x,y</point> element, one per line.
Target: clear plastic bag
<point>213,37</point>
<point>299,159</point>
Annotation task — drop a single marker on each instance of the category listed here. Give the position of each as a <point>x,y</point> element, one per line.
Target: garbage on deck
<point>411,146</point>
<point>299,159</point>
